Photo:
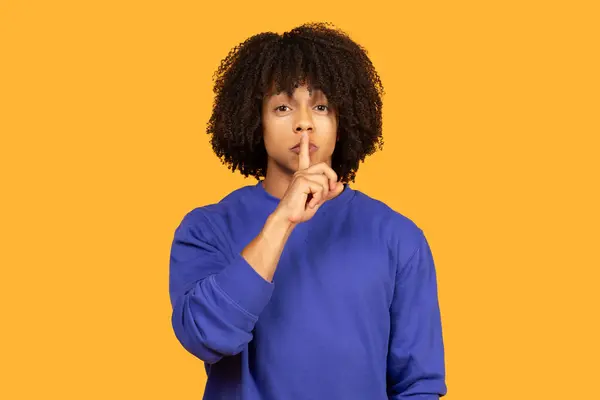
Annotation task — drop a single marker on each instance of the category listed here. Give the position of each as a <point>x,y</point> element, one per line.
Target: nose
<point>304,122</point>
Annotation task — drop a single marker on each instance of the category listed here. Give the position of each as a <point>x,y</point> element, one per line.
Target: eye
<point>323,105</point>
<point>279,108</point>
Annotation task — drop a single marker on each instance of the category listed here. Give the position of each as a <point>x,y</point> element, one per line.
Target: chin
<point>283,166</point>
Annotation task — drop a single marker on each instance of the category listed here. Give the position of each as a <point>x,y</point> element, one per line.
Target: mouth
<point>311,148</point>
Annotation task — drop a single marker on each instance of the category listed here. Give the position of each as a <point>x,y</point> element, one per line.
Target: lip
<point>311,148</point>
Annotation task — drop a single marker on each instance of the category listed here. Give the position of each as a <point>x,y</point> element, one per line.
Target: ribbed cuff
<point>245,286</point>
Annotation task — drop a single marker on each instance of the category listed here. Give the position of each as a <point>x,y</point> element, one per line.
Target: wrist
<point>277,225</point>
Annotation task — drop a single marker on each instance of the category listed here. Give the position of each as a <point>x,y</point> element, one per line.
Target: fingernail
<point>303,134</point>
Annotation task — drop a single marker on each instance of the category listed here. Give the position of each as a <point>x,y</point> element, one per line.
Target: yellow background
<point>491,124</point>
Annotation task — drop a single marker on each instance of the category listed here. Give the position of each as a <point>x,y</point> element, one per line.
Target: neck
<point>277,181</point>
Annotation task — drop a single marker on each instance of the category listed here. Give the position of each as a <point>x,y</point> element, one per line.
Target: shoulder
<point>209,216</point>
<point>369,208</point>
<point>402,234</point>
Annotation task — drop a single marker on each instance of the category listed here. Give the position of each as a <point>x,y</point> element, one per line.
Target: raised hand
<point>311,186</point>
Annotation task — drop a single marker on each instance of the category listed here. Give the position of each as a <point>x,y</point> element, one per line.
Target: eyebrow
<point>318,95</point>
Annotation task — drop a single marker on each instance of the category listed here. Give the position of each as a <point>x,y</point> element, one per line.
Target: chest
<point>333,289</point>
<point>335,271</point>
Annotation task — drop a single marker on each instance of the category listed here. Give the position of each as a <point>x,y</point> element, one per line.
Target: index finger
<point>304,156</point>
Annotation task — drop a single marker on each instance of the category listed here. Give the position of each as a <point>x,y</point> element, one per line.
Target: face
<point>284,120</point>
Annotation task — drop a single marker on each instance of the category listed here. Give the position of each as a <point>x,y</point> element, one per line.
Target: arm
<point>415,365</point>
<point>217,297</point>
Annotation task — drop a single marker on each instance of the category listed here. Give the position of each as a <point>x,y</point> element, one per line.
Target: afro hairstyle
<point>317,54</point>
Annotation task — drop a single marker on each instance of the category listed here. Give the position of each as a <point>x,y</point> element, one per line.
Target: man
<point>300,287</point>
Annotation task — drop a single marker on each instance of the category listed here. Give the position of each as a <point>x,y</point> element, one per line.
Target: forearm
<point>216,298</point>
<point>264,251</point>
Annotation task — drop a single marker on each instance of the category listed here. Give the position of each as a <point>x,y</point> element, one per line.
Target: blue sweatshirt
<point>352,312</point>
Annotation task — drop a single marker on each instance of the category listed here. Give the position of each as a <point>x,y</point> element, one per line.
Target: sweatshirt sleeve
<point>215,294</point>
<point>415,364</point>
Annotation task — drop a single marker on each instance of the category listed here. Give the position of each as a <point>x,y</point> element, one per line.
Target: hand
<point>311,186</point>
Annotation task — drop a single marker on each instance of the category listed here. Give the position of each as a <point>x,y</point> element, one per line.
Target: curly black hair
<point>317,54</point>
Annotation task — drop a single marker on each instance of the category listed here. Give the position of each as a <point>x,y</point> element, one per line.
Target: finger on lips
<point>304,156</point>
<point>304,162</point>
<point>323,180</point>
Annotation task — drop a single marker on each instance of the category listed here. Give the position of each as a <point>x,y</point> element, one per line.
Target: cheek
<point>275,126</point>
<point>328,127</point>
<point>273,137</point>
<point>272,148</point>
<point>268,140</point>
<point>268,132</point>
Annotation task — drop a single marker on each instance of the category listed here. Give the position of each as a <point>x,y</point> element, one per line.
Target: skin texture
<point>285,118</point>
